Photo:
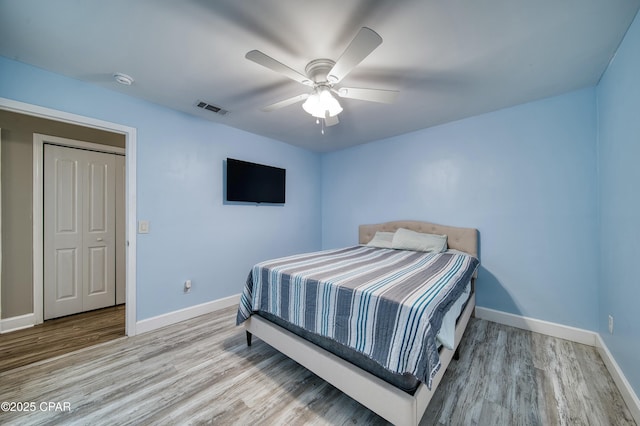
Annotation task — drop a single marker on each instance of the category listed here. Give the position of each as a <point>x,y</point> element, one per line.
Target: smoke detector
<point>123,79</point>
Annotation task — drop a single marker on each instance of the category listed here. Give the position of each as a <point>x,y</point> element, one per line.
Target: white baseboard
<point>566,332</point>
<point>17,323</point>
<point>573,334</point>
<point>629,396</point>
<point>174,317</point>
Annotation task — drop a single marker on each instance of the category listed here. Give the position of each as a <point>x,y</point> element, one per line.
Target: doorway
<point>31,311</point>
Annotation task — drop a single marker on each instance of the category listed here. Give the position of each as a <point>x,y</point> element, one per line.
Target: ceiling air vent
<point>210,107</point>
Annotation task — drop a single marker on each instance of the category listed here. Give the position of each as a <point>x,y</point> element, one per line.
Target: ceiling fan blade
<point>361,46</point>
<point>330,121</point>
<point>268,62</point>
<point>285,102</point>
<point>372,95</point>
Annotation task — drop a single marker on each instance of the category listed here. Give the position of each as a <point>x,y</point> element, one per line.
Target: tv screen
<point>255,183</point>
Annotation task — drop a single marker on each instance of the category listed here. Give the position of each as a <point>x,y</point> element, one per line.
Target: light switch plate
<point>143,227</point>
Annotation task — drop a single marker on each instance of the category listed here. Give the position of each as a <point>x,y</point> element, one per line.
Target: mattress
<point>387,305</point>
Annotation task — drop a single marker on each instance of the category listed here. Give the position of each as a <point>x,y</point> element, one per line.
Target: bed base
<point>391,403</point>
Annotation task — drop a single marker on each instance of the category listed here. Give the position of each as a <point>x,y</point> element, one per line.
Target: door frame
<point>130,134</point>
<point>0,230</point>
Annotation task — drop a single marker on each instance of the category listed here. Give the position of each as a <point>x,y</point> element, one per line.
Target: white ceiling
<point>449,59</point>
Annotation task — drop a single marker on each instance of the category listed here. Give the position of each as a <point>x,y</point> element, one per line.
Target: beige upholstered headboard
<point>463,239</point>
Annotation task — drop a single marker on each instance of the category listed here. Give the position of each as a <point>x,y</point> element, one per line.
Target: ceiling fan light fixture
<point>321,102</point>
<point>312,105</point>
<point>322,74</point>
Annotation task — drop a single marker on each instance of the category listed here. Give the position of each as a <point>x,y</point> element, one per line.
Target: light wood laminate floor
<point>60,336</point>
<point>201,372</point>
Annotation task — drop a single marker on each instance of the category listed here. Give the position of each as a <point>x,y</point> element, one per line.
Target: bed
<point>398,384</point>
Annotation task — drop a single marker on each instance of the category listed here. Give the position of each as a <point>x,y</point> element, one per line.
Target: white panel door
<point>63,232</point>
<point>79,230</point>
<point>99,224</point>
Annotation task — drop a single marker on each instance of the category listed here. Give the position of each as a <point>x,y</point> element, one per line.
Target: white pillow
<point>405,239</point>
<point>381,240</point>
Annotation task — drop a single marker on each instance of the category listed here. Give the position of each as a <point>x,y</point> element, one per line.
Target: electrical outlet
<point>610,324</point>
<point>187,286</point>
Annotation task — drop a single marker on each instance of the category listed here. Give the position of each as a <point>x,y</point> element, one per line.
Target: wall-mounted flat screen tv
<point>255,183</point>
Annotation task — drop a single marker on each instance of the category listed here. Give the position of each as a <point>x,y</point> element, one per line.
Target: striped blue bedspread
<point>386,304</point>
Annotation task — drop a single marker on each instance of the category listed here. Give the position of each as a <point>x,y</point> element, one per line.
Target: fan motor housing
<point>318,69</point>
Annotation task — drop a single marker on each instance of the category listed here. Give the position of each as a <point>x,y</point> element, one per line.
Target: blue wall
<point>179,175</point>
<point>619,176</point>
<point>524,176</point>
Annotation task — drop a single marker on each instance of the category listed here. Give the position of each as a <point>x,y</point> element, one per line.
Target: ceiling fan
<point>322,75</point>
